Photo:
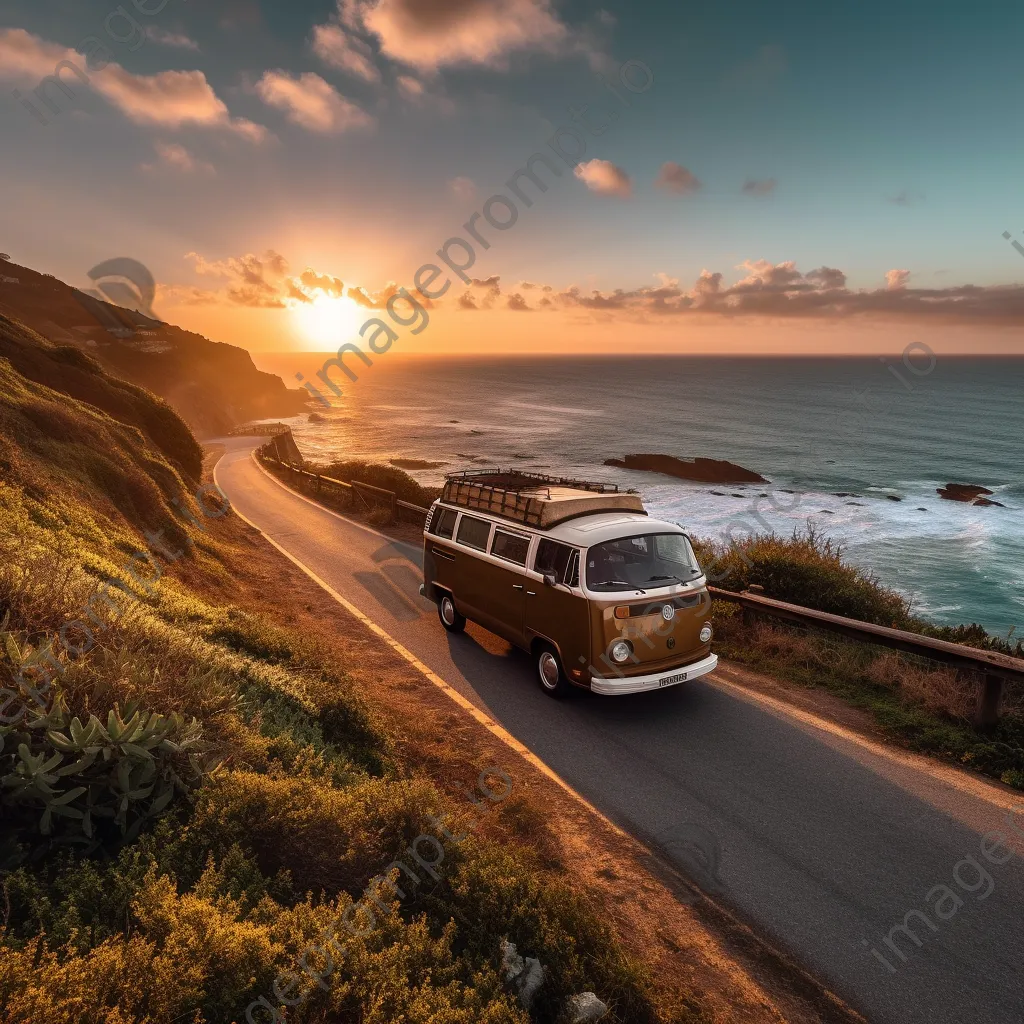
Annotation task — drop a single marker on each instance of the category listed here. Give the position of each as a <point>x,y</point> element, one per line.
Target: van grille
<point>654,607</point>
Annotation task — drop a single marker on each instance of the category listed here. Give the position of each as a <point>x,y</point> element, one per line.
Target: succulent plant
<point>82,775</point>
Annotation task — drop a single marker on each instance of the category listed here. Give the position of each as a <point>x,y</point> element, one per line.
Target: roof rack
<point>535,499</point>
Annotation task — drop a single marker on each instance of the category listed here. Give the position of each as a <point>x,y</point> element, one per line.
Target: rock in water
<point>708,471</point>
<point>962,492</point>
<point>586,1007</point>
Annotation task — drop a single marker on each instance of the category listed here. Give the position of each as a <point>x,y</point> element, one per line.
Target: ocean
<point>837,438</point>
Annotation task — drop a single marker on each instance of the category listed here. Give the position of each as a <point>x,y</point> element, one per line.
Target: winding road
<point>820,839</point>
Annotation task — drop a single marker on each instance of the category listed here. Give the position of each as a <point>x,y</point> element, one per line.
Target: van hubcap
<point>448,610</point>
<point>548,670</point>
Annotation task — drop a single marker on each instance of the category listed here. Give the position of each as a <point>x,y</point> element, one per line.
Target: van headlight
<point>705,634</point>
<point>622,650</point>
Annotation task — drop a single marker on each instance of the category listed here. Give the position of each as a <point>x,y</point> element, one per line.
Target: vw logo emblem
<point>668,612</point>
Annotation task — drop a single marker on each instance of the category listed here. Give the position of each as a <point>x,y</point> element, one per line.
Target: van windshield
<point>641,563</point>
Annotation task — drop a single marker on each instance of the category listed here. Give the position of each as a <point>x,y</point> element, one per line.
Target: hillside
<point>204,795</point>
<point>211,385</point>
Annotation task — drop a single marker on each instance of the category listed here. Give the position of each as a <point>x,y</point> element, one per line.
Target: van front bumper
<point>658,681</point>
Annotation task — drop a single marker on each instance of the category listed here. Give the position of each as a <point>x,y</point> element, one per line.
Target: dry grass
<point>938,689</point>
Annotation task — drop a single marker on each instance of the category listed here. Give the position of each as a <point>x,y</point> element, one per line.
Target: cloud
<point>309,101</point>
<point>411,88</point>
<point>170,99</point>
<point>325,283</point>
<point>779,290</point>
<point>178,40</point>
<point>379,299</point>
<point>603,177</point>
<point>178,158</point>
<point>676,178</point>
<point>827,277</point>
<point>342,50</point>
<point>429,34</point>
<point>252,280</point>
<point>762,290</point>
<point>266,282</point>
<point>759,187</point>
<point>463,188</point>
<point>762,273</point>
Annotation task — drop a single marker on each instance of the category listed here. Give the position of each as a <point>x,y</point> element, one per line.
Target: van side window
<point>510,546</point>
<point>474,532</point>
<point>553,557</point>
<point>443,523</point>
<point>573,575</point>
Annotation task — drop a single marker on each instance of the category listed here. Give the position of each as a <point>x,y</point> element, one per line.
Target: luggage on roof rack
<point>535,499</point>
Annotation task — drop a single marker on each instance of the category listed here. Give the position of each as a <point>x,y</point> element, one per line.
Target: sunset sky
<point>798,177</point>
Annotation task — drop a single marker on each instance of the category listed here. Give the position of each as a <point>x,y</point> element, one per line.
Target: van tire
<point>549,671</point>
<point>449,615</point>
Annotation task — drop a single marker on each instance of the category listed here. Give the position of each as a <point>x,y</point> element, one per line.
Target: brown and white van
<point>600,594</point>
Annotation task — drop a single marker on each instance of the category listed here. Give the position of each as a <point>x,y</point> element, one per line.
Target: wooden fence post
<point>990,699</point>
<point>749,615</point>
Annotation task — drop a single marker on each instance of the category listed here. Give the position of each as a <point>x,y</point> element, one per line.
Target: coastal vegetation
<point>378,474</point>
<point>921,705</point>
<point>200,790</point>
<point>808,568</point>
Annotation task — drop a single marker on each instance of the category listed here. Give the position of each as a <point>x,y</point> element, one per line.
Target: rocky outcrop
<point>971,494</point>
<point>211,386</point>
<point>283,448</point>
<point>416,464</point>
<point>706,471</point>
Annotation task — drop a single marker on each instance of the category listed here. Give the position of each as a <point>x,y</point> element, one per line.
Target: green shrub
<point>806,569</point>
<point>65,781</point>
<point>377,474</point>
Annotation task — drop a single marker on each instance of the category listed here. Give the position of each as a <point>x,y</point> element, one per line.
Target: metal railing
<point>992,669</point>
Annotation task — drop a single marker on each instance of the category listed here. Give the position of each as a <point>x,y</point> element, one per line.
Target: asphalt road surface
<point>820,840</point>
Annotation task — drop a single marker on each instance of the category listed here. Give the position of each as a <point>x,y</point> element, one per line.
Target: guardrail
<point>992,669</point>
<point>367,494</point>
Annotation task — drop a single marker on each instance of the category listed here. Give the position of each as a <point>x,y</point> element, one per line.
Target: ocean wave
<point>559,409</point>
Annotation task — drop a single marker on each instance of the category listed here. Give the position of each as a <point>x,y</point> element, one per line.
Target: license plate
<point>679,677</point>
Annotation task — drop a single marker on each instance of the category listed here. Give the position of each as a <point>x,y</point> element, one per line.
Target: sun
<point>328,322</point>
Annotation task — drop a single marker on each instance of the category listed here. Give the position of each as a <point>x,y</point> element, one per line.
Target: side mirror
<point>550,579</point>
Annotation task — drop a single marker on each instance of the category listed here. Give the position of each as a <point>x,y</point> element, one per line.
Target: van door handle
<point>517,586</point>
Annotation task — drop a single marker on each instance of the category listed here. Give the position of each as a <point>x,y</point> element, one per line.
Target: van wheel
<point>549,671</point>
<point>449,615</point>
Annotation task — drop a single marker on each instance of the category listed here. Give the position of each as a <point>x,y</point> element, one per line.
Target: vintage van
<point>602,596</point>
